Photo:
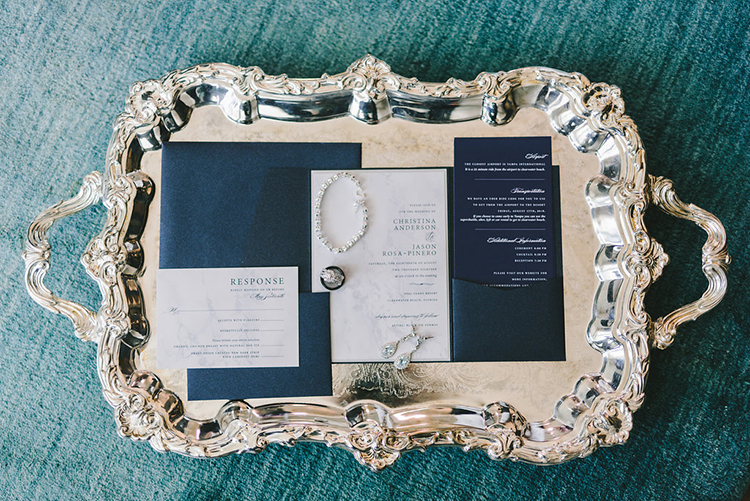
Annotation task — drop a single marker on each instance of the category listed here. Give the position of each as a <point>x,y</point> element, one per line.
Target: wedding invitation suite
<point>396,272</point>
<point>227,317</point>
<point>273,265</point>
<point>507,288</point>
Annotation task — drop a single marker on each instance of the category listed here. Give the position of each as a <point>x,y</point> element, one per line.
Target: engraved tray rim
<point>597,412</point>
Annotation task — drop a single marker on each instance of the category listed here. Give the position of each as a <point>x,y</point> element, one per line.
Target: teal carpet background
<point>65,68</point>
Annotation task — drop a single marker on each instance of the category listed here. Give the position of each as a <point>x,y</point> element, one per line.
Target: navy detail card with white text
<point>507,287</point>
<point>503,219</point>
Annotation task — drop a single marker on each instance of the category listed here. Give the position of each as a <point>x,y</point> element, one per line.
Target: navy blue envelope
<point>248,205</point>
<point>524,324</point>
<point>496,324</point>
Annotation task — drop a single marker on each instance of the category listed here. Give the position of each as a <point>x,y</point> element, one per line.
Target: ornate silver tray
<point>378,413</point>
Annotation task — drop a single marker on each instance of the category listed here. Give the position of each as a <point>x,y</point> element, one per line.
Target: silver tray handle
<point>36,255</point>
<point>715,260</point>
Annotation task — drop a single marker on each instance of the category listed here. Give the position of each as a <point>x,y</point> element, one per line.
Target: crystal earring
<point>403,360</point>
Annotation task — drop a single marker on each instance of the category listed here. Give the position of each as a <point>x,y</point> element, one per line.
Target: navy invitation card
<point>507,273</point>
<point>503,221</point>
<point>243,205</point>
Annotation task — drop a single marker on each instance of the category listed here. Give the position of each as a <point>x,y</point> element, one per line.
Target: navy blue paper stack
<point>507,273</point>
<point>248,205</point>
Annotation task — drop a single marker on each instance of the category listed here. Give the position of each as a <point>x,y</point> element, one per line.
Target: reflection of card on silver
<point>397,272</point>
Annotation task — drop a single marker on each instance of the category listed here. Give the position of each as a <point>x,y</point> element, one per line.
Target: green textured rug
<point>65,68</point>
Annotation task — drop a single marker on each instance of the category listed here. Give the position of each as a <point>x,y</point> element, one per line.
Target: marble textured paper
<point>397,274</point>
<point>228,317</point>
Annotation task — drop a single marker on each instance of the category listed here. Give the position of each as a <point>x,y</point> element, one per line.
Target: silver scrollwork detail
<point>612,426</point>
<point>137,418</point>
<point>148,101</point>
<point>715,258</point>
<point>605,101</point>
<point>36,254</point>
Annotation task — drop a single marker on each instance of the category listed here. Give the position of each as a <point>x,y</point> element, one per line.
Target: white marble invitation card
<point>227,317</point>
<point>396,273</point>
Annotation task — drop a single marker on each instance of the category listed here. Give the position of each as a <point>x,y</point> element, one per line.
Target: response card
<point>228,317</point>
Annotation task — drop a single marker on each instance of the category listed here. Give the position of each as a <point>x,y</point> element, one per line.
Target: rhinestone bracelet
<point>359,203</point>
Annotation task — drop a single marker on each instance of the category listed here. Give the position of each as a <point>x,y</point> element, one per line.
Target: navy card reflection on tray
<point>504,228</point>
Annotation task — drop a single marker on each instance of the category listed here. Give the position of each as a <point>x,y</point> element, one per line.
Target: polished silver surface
<point>716,260</point>
<point>598,410</point>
